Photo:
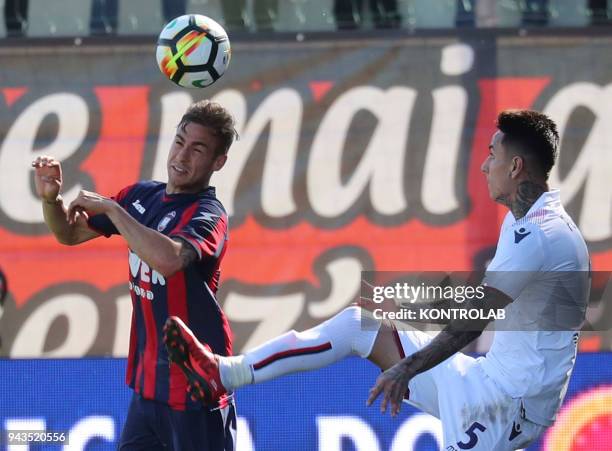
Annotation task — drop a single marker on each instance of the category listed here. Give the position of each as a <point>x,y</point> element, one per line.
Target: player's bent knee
<point>348,319</point>
<point>292,337</point>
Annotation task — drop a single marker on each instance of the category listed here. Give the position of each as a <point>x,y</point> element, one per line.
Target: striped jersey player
<point>200,220</point>
<point>176,234</point>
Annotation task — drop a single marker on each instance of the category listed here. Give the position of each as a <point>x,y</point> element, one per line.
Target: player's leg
<point>138,433</point>
<point>391,346</point>
<point>224,419</point>
<point>475,413</point>
<point>519,434</point>
<point>351,332</point>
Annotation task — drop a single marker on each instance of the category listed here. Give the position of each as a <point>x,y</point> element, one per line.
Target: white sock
<point>351,332</point>
<point>234,372</point>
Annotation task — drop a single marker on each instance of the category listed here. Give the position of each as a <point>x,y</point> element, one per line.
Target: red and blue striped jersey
<point>200,220</point>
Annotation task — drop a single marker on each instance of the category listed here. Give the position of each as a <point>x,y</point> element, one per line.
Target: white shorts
<point>475,413</point>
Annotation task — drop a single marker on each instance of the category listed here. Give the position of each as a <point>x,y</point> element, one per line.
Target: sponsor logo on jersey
<point>165,221</point>
<point>139,208</point>
<point>144,294</point>
<point>141,271</point>
<point>522,233</point>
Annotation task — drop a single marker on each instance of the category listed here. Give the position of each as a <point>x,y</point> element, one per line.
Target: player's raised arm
<point>163,254</point>
<point>160,252</point>
<point>48,181</point>
<point>393,383</point>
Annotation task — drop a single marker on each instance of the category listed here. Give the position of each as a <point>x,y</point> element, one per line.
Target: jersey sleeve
<point>102,223</point>
<point>516,264</point>
<point>206,231</point>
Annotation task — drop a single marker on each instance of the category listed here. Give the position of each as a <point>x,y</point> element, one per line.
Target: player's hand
<point>47,177</point>
<point>88,203</point>
<point>393,383</point>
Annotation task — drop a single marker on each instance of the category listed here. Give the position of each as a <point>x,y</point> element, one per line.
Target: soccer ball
<point>193,51</point>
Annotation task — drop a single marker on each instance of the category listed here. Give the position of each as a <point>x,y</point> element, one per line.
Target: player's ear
<point>219,161</point>
<point>516,166</point>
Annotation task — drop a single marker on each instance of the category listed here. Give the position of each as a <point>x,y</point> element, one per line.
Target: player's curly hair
<point>532,135</point>
<point>217,118</point>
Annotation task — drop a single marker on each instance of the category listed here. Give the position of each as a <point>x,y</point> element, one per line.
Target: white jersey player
<point>502,401</point>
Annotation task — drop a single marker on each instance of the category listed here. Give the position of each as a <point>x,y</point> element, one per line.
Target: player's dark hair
<point>531,134</point>
<point>215,117</point>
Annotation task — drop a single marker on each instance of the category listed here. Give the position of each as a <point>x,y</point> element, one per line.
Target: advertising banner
<point>354,155</point>
<point>322,410</point>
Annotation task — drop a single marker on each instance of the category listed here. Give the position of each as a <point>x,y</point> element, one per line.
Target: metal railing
<point>49,18</point>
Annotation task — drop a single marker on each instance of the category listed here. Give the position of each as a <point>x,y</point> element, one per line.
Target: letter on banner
<point>333,429</point>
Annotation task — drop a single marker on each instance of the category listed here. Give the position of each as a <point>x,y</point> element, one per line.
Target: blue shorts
<point>152,425</point>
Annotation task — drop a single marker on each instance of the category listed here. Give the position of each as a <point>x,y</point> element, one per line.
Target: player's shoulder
<point>149,186</point>
<point>521,246</point>
<point>141,196</point>
<point>142,188</point>
<point>208,201</point>
<point>522,232</point>
<point>527,233</point>
<point>547,224</point>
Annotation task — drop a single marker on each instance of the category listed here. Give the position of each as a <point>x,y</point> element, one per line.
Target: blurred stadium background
<point>363,125</point>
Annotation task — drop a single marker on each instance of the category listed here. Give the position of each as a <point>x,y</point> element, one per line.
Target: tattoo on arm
<point>188,254</point>
<point>444,345</point>
<point>456,335</point>
<point>528,192</point>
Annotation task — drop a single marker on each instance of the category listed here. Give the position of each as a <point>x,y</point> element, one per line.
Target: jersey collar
<point>547,200</point>
<point>206,192</point>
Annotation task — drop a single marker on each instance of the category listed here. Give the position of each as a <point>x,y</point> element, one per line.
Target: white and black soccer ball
<point>193,51</point>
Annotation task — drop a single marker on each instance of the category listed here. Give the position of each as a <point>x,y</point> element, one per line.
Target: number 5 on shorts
<point>471,433</point>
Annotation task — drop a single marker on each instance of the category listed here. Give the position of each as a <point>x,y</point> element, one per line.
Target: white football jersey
<point>542,263</point>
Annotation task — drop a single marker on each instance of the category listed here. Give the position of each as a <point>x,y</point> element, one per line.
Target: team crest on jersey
<point>165,221</point>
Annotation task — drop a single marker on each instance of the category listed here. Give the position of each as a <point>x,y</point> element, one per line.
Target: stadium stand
<point>65,18</point>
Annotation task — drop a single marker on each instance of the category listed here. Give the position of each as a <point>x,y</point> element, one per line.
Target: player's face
<point>193,159</point>
<point>497,169</point>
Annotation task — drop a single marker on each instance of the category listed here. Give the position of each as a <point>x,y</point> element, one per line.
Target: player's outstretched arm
<point>393,383</point>
<point>48,182</point>
<point>163,254</point>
